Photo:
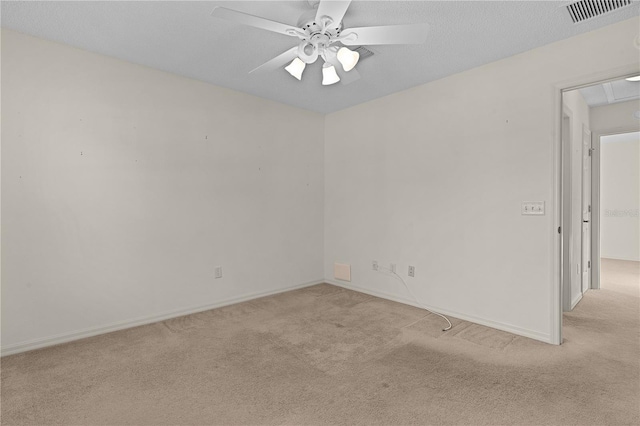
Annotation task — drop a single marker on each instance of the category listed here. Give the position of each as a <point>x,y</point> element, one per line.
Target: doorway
<point>576,180</point>
<point>594,117</point>
<point>619,193</point>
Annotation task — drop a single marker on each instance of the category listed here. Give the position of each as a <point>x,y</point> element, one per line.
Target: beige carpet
<point>324,355</point>
<point>622,276</point>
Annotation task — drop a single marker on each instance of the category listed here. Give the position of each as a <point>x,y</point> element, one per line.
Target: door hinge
<point>589,264</point>
<point>559,229</point>
<point>589,209</point>
<point>590,151</point>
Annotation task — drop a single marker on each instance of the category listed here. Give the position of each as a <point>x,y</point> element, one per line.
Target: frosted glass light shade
<point>329,75</point>
<point>295,68</point>
<point>348,58</point>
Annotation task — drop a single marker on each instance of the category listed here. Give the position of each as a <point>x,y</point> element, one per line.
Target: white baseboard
<point>546,338</point>
<point>121,325</point>
<point>576,300</point>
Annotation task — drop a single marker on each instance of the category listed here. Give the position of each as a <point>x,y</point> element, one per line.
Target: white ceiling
<point>611,92</point>
<point>182,38</point>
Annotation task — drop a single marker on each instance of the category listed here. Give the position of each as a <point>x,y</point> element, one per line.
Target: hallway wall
<point>620,196</point>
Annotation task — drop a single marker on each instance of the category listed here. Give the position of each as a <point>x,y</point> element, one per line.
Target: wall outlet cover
<point>412,271</point>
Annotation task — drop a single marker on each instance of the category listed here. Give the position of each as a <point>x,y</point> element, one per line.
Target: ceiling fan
<point>321,35</point>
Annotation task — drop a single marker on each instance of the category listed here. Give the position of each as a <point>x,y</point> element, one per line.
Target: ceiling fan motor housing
<point>318,35</point>
<point>325,25</point>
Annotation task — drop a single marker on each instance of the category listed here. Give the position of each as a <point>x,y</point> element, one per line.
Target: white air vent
<point>363,51</point>
<point>587,9</point>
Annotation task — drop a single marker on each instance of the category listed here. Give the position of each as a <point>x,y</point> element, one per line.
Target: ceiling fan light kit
<point>348,58</point>
<point>321,34</point>
<point>307,52</point>
<point>329,74</point>
<point>295,68</point>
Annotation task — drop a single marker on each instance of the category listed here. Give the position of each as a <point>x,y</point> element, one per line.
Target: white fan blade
<point>392,34</point>
<point>252,21</point>
<point>277,62</point>
<point>335,9</point>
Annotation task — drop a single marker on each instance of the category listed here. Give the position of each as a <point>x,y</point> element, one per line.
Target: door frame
<point>567,178</point>
<point>595,198</point>
<point>556,240</point>
<point>587,134</point>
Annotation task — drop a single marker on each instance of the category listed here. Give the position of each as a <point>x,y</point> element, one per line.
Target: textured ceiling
<point>611,92</point>
<point>182,38</point>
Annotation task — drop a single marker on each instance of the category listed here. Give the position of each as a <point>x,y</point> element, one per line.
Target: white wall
<point>123,187</point>
<point>615,117</point>
<point>435,176</point>
<point>620,196</point>
<point>605,120</point>
<point>578,110</point>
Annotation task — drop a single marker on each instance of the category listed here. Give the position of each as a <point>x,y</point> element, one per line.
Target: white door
<point>586,209</point>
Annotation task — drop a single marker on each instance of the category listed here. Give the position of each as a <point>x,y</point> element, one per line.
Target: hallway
<point>622,276</point>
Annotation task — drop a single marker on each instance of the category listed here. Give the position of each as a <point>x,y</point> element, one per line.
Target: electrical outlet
<point>412,271</point>
<point>393,267</point>
<point>375,265</point>
<point>218,271</point>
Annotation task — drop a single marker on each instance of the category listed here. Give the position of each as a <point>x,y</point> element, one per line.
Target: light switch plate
<point>535,208</point>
